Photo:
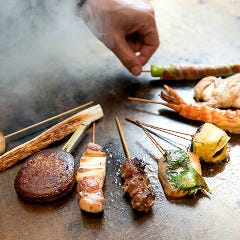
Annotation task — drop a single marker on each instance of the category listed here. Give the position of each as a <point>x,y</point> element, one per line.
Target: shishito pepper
<point>210,143</point>
<point>193,72</point>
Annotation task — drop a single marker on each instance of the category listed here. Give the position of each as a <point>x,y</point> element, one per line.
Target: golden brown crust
<point>46,176</point>
<point>53,134</point>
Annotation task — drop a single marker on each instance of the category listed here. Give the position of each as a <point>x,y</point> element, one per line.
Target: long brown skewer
<point>49,119</point>
<point>168,131</point>
<point>122,138</point>
<point>158,146</point>
<point>144,100</point>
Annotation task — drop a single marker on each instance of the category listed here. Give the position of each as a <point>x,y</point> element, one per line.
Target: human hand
<point>126,27</point>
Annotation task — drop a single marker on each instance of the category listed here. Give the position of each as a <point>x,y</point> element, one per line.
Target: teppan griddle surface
<point>50,62</point>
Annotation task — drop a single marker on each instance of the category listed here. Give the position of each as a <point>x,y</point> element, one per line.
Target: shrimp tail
<point>172,99</point>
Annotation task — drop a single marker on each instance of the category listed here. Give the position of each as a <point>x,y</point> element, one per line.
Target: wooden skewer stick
<point>158,146</point>
<point>148,71</point>
<point>122,138</point>
<point>145,100</point>
<point>48,120</point>
<point>168,131</point>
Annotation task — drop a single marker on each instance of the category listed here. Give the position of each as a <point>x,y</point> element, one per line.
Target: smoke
<point>45,48</point>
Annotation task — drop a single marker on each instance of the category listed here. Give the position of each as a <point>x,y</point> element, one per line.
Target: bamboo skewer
<point>144,100</point>
<point>171,132</point>
<point>53,134</point>
<point>158,146</point>
<point>123,138</point>
<point>49,119</point>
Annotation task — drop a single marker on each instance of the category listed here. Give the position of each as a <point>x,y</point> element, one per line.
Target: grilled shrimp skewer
<point>90,177</point>
<point>227,120</point>
<point>179,171</point>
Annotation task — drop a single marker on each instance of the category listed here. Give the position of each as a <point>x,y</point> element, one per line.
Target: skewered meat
<point>191,72</point>
<point>210,143</point>
<point>90,178</point>
<point>180,174</point>
<point>136,184</point>
<point>218,92</point>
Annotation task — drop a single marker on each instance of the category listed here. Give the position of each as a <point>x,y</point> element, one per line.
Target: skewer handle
<point>122,138</point>
<point>48,120</point>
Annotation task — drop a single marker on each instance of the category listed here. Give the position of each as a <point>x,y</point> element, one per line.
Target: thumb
<point>127,56</point>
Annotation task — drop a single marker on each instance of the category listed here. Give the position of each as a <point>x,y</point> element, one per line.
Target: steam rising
<point>45,51</point>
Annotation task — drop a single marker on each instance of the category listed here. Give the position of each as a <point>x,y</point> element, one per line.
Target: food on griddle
<point>210,143</point>
<point>49,174</point>
<point>227,120</point>
<point>46,176</point>
<point>90,177</point>
<point>192,72</point>
<point>180,174</point>
<point>179,171</point>
<point>2,143</point>
<point>53,134</point>
<point>3,138</point>
<point>218,92</point>
<point>136,182</point>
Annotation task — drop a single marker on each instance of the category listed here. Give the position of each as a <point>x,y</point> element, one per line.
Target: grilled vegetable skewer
<point>90,177</point>
<point>179,171</point>
<point>3,138</point>
<point>136,183</point>
<point>53,134</point>
<point>192,72</point>
<point>209,143</point>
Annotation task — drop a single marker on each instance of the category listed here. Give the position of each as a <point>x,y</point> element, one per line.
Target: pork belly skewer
<point>179,171</point>
<point>90,177</point>
<point>136,183</point>
<point>3,138</point>
<point>209,142</point>
<point>192,72</point>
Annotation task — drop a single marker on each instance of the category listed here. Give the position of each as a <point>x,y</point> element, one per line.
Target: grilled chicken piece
<point>90,177</point>
<point>185,182</point>
<point>218,92</point>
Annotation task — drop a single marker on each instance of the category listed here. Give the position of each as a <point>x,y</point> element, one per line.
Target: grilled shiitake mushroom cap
<point>46,176</point>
